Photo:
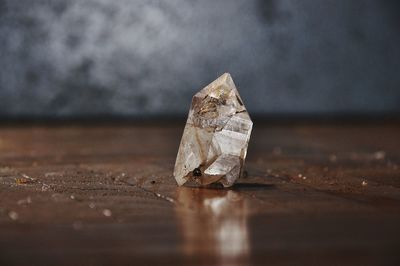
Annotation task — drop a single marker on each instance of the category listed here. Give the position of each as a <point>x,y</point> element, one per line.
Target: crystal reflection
<point>214,224</point>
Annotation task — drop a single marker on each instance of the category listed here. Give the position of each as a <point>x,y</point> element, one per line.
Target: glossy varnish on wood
<point>88,195</point>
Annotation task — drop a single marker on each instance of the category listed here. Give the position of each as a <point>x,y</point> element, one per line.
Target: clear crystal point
<point>215,139</point>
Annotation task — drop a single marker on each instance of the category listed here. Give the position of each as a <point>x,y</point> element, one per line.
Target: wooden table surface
<point>313,194</point>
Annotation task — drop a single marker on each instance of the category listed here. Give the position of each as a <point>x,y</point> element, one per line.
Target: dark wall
<point>93,57</point>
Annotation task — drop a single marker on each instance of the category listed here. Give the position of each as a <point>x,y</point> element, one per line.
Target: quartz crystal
<point>215,139</point>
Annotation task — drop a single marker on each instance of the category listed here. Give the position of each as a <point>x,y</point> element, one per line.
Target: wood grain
<point>314,194</point>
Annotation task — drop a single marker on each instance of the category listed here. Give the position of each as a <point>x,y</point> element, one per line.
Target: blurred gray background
<point>71,58</point>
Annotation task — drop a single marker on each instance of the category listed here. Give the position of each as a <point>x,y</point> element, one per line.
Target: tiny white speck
<point>107,212</point>
<point>45,187</point>
<point>28,200</point>
<point>27,177</point>
<point>13,215</point>
<point>380,155</point>
<point>364,183</point>
<point>332,158</point>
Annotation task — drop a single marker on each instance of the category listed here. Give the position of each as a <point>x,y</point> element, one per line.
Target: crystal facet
<point>215,139</point>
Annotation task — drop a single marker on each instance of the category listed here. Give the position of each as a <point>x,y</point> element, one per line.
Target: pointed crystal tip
<point>216,136</point>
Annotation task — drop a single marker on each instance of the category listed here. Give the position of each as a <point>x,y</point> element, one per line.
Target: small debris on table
<point>379,155</point>
<point>13,215</point>
<point>24,180</point>
<point>27,200</point>
<point>45,187</point>
<point>332,158</point>
<point>107,213</point>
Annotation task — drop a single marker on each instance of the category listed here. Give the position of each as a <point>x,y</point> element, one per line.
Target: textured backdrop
<point>125,57</point>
